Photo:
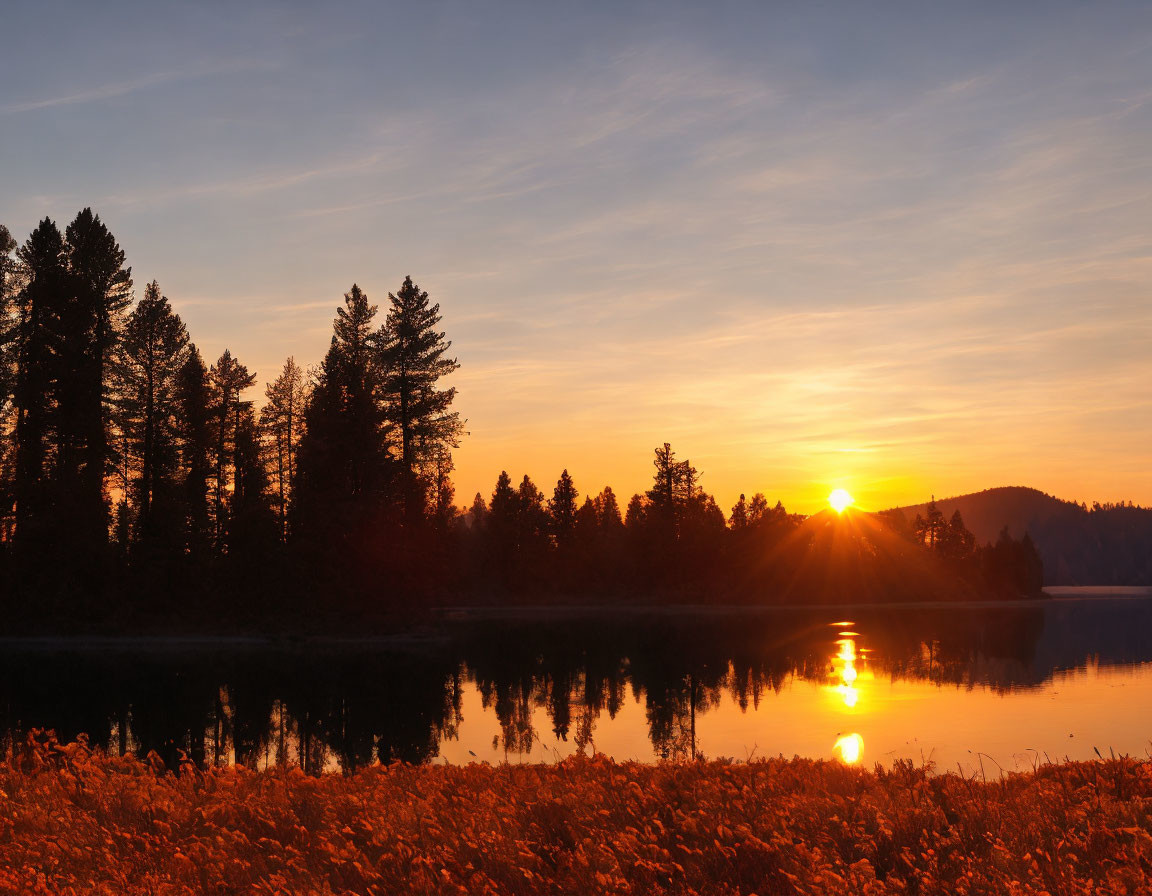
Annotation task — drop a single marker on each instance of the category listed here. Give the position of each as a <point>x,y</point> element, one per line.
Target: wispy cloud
<point>134,85</point>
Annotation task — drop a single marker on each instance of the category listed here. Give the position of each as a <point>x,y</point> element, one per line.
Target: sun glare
<point>849,748</point>
<point>840,500</point>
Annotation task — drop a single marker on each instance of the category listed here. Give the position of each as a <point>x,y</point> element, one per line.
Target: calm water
<point>1003,687</point>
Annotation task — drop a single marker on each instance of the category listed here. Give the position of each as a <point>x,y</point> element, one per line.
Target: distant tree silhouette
<point>9,273</point>
<point>531,527</point>
<point>413,360</point>
<point>608,511</point>
<point>343,457</point>
<point>758,510</point>
<point>501,528</point>
<point>956,542</point>
<point>228,379</point>
<point>39,303</point>
<point>282,417</point>
<point>150,356</point>
<point>674,487</point>
<point>194,433</point>
<point>443,510</point>
<point>252,526</point>
<point>931,529</point>
<point>562,508</point>
<point>739,518</point>
<point>99,289</point>
<point>1012,567</point>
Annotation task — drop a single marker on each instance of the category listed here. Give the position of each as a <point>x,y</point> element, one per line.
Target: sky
<point>902,249</point>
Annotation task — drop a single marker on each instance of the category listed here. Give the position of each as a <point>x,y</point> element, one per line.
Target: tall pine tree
<point>38,306</point>
<point>282,418</point>
<point>194,432</point>
<point>99,289</point>
<point>152,353</point>
<point>342,454</point>
<point>414,359</point>
<point>227,380</point>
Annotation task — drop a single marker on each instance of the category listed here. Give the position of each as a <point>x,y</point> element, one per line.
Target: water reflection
<point>849,748</point>
<point>844,669</point>
<point>644,687</point>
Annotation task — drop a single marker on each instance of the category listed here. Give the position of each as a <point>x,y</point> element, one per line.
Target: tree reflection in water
<point>325,709</point>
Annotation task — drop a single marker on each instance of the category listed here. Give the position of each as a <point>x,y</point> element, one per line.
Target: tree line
<point>127,459</point>
<point>139,481</point>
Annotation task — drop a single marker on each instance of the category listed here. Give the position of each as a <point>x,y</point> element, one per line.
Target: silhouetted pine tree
<point>673,489</point>
<point>195,438</point>
<point>252,524</point>
<point>414,360</point>
<point>38,305</point>
<point>739,518</point>
<point>151,355</point>
<point>283,419</point>
<point>228,379</point>
<point>608,512</point>
<point>8,347</point>
<point>343,459</point>
<point>956,542</point>
<point>562,508</point>
<point>99,289</point>
<point>502,527</point>
<point>931,529</point>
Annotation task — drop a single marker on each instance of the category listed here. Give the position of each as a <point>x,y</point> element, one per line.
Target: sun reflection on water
<point>845,681</point>
<point>849,748</point>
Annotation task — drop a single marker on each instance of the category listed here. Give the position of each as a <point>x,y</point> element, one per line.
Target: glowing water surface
<point>980,686</point>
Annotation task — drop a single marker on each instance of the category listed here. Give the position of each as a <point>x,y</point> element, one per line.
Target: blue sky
<point>899,248</point>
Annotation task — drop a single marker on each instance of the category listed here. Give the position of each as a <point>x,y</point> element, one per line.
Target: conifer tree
<point>608,511</point>
<point>252,524</point>
<point>8,276</point>
<point>38,305</point>
<point>739,519</point>
<point>930,530</point>
<point>443,492</point>
<point>99,289</point>
<point>8,344</point>
<point>477,516</point>
<point>342,455</point>
<point>674,487</point>
<point>227,381</point>
<point>758,510</point>
<point>152,352</point>
<point>562,507</point>
<point>414,360</point>
<point>282,417</point>
<point>194,431</point>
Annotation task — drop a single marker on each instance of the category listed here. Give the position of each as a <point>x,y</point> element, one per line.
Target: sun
<point>840,500</point>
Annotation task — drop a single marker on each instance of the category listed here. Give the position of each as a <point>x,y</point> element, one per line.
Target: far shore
<point>425,635</point>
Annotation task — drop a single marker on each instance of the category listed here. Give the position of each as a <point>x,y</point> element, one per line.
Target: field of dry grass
<point>76,821</point>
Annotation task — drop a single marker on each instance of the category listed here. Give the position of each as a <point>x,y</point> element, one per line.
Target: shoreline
<point>428,634</point>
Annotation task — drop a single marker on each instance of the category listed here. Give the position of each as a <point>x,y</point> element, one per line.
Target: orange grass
<point>75,821</point>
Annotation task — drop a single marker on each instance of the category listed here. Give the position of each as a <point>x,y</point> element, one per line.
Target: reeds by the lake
<point>74,820</point>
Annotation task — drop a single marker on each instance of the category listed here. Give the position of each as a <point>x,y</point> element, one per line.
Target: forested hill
<point>1101,544</point>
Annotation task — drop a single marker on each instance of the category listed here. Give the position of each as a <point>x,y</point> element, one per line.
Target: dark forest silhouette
<point>140,486</point>
<point>1080,543</point>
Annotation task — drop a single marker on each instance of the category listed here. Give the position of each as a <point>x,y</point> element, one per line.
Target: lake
<point>985,687</point>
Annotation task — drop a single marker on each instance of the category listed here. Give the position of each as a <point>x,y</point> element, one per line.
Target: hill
<point>1108,544</point>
